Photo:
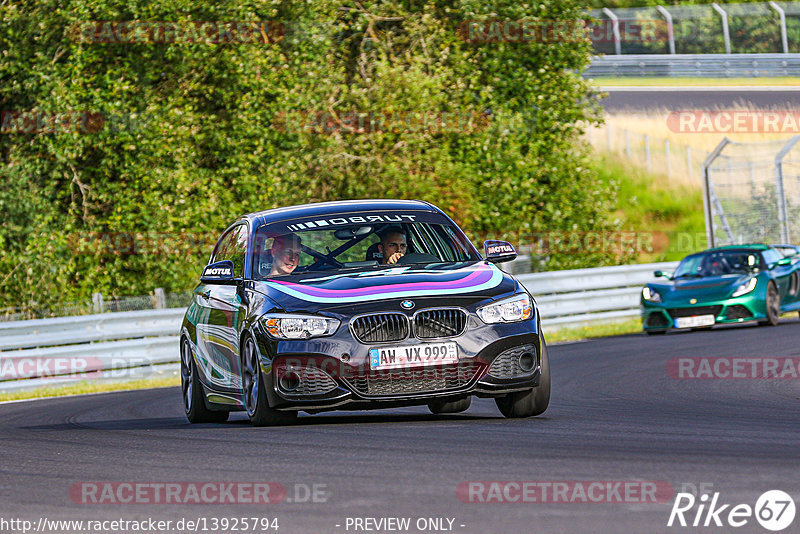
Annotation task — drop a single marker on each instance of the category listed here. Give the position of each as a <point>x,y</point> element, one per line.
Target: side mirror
<point>220,272</point>
<point>499,251</point>
<point>783,261</point>
<point>659,274</point>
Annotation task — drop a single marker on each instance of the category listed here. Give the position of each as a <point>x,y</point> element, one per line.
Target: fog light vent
<point>519,361</point>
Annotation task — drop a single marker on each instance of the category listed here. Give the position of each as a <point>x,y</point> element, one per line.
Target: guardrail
<point>582,296</point>
<point>696,65</point>
<point>132,345</point>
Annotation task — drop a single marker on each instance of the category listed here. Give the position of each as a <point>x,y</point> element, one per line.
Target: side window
<point>233,247</point>
<point>771,256</point>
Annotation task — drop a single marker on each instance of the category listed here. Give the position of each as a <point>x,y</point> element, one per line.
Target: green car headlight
<point>650,295</point>
<point>286,326</point>
<point>511,310</point>
<point>745,288</point>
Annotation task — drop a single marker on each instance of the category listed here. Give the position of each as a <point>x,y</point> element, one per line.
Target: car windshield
<point>357,241</point>
<point>718,263</point>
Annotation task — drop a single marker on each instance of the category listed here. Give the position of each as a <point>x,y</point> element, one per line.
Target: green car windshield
<point>719,263</point>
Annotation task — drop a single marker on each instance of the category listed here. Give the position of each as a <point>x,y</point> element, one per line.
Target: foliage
<point>183,137</point>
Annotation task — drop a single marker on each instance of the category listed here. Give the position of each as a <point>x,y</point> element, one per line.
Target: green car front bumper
<point>662,315</point>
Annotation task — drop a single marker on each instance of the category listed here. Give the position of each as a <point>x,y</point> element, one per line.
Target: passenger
<point>285,254</point>
<point>393,245</point>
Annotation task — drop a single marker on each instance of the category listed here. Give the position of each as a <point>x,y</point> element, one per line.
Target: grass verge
<point>82,388</point>
<point>678,82</point>
<point>576,333</point>
<point>668,213</point>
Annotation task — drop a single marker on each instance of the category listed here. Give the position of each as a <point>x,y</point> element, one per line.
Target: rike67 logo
<point>774,510</point>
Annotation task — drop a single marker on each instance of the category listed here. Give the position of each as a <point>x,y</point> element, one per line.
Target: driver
<point>393,245</point>
<point>285,250</point>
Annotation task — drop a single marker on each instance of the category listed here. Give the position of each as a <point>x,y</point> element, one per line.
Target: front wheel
<point>255,397</point>
<point>193,403</point>
<point>773,306</point>
<point>531,402</point>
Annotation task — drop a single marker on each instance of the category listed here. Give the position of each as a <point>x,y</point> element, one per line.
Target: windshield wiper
<point>688,275</point>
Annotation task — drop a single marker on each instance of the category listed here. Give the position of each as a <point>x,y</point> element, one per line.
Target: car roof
<point>750,246</point>
<point>336,207</point>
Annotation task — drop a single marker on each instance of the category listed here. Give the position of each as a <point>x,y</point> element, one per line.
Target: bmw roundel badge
<point>407,304</point>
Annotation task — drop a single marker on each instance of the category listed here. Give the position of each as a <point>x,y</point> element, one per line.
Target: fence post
<point>782,15</point>
<point>161,298</point>
<point>97,303</point>
<point>666,154</point>
<point>670,28</point>
<point>615,29</point>
<point>726,34</point>
<point>627,143</point>
<point>647,152</point>
<point>689,162</point>
<point>780,192</point>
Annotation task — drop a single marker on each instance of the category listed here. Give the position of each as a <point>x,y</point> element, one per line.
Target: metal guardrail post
<point>615,28</point>
<point>627,144</point>
<point>647,152</point>
<point>161,298</point>
<point>725,31</point>
<point>97,303</point>
<point>782,15</point>
<point>670,28</point>
<point>779,190</point>
<point>707,191</point>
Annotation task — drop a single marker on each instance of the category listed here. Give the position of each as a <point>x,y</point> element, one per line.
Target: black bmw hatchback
<point>358,305</point>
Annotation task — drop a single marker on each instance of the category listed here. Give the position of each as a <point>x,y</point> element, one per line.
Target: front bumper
<point>661,316</point>
<point>334,372</point>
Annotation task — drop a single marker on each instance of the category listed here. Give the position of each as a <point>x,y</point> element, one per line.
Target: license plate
<point>413,355</point>
<point>697,320</point>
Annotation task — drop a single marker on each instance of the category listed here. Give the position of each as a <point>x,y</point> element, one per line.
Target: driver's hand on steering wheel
<point>391,260</point>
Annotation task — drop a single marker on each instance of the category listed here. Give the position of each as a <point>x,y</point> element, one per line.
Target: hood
<point>703,289</point>
<point>464,282</point>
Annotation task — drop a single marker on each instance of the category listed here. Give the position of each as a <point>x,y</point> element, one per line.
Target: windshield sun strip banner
<point>470,280</point>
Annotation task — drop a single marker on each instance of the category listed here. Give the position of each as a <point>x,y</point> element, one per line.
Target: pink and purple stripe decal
<point>468,280</point>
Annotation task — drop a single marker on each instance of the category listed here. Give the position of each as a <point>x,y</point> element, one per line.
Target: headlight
<point>285,326</point>
<point>747,287</point>
<point>651,295</point>
<point>511,310</point>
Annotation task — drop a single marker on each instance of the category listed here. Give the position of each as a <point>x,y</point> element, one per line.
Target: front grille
<point>519,361</point>
<point>697,310</point>
<point>445,322</point>
<point>380,327</point>
<point>657,319</point>
<point>411,381</point>
<point>310,380</point>
<point>737,311</point>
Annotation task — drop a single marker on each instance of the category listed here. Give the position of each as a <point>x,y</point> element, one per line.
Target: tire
<point>655,332</point>
<point>773,306</point>
<point>531,402</point>
<point>255,397</point>
<point>440,407</point>
<point>194,403</point>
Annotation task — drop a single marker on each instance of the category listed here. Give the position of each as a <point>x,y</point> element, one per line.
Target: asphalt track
<point>622,99</point>
<point>615,415</point>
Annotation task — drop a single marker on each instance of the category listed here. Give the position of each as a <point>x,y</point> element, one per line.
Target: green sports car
<point>723,285</point>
